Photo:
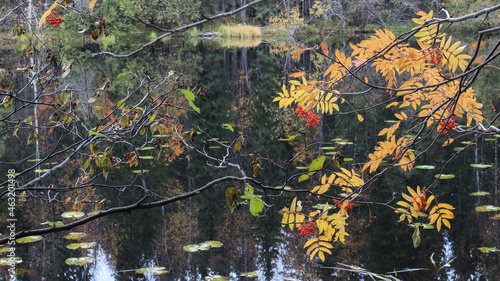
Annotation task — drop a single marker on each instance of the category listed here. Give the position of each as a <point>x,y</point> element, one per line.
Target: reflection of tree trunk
<point>244,66</point>
<point>244,12</point>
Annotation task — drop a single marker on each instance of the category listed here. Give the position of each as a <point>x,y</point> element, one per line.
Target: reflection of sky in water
<point>102,271</point>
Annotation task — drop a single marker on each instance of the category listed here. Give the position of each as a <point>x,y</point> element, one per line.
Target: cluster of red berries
<point>347,208</point>
<point>308,229</point>
<point>396,158</point>
<point>421,202</point>
<point>312,119</point>
<point>446,126</point>
<point>54,19</point>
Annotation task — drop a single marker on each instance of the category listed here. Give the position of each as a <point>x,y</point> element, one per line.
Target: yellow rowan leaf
<point>324,49</point>
<point>313,254</point>
<point>321,256</point>
<point>297,74</point>
<point>448,142</point>
<point>447,206</point>
<point>360,118</point>
<point>292,206</point>
<point>92,4</point>
<point>438,224</point>
<point>446,223</point>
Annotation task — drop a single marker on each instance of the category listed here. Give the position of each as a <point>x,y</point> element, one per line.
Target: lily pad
<point>147,148</point>
<point>42,170</point>
<point>6,261</point>
<point>444,176</point>
<point>251,274</point>
<point>490,139</point>
<point>481,166</point>
<point>327,147</point>
<point>391,121</point>
<point>348,159</point>
<point>73,215</point>
<point>322,206</point>
<point>74,246</point>
<point>4,249</point>
<point>487,208</point>
<point>151,270</point>
<point>488,250</point>
<point>203,246</point>
<point>480,193</point>
<point>495,217</point>
<point>216,278</point>
<point>214,147</point>
<point>75,235</point>
<point>459,148</point>
<point>345,142</point>
<point>53,223</point>
<point>147,157</point>
<point>468,143</point>
<point>79,261</point>
<point>139,171</point>
<point>29,239</point>
<point>425,167</point>
<point>302,168</point>
<point>94,212</point>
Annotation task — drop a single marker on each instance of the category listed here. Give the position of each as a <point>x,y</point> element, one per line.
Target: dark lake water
<point>241,84</point>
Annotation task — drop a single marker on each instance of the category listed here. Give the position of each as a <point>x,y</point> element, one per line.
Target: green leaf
<point>188,94</point>
<point>480,193</point>
<point>425,167</point>
<point>303,177</point>
<point>97,134</point>
<point>256,204</point>
<point>290,138</point>
<point>228,126</point>
<point>488,250</point>
<point>121,103</point>
<point>417,237</point>
<point>122,74</point>
<point>317,164</point>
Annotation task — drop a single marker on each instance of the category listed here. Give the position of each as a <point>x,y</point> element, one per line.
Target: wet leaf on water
<point>488,250</point>
<point>480,193</point>
<point>4,249</point>
<point>481,166</point>
<point>216,278</point>
<point>495,217</point>
<point>74,246</point>
<point>94,212</point>
<point>42,170</point>
<point>29,239</point>
<point>290,138</point>
<point>147,148</point>
<point>444,176</point>
<point>75,235</point>
<point>251,274</point>
<point>203,246</point>
<point>147,157</point>
<point>6,261</point>
<point>73,215</point>
<point>139,171</point>
<point>191,248</point>
<point>79,261</point>
<point>51,223</point>
<point>487,208</point>
<point>152,270</point>
<point>425,167</point>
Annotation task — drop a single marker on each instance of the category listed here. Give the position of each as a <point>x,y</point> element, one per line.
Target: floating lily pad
<point>75,235</point>
<point>53,223</point>
<point>480,193</point>
<point>29,239</point>
<point>139,171</point>
<point>490,139</point>
<point>42,171</point>
<point>495,217</point>
<point>487,208</point>
<point>302,168</point>
<point>160,136</point>
<point>488,250</point>
<point>391,121</point>
<point>94,212</point>
<point>481,166</point>
<point>4,249</point>
<point>79,261</point>
<point>444,176</point>
<point>459,148</point>
<point>327,147</point>
<point>252,274</point>
<point>7,261</point>
<point>151,270</point>
<point>73,215</point>
<point>34,160</point>
<point>147,148</point>
<point>345,142</point>
<point>214,147</point>
<point>467,143</point>
<point>147,157</point>
<point>74,246</point>
<point>216,278</point>
<point>203,246</point>
<point>425,167</point>
<point>348,159</point>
